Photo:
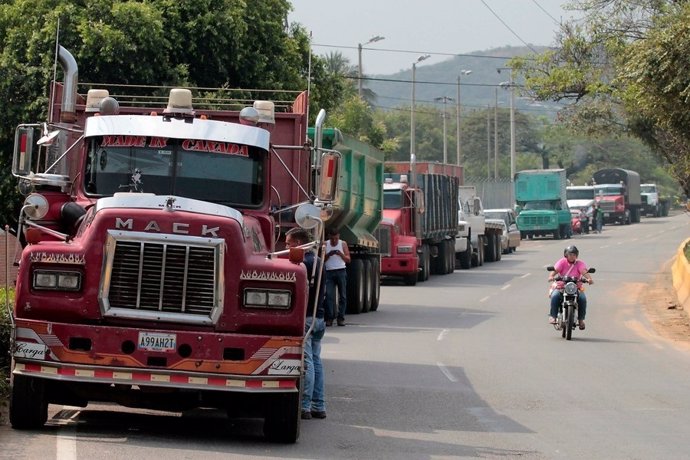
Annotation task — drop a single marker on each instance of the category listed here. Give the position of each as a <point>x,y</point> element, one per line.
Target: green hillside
<point>477,90</point>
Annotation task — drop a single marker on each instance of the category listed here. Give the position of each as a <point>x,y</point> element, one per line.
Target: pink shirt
<point>564,268</point>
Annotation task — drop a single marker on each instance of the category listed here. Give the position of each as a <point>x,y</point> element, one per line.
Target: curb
<point>681,277</point>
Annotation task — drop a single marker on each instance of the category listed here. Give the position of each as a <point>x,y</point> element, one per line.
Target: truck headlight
<point>404,249</point>
<point>267,298</point>
<point>54,280</point>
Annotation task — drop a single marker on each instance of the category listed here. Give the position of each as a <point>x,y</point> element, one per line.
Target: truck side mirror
<point>24,146</point>
<point>328,179</point>
<point>477,204</point>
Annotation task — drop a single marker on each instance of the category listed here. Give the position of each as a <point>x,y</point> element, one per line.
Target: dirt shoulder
<point>666,315</point>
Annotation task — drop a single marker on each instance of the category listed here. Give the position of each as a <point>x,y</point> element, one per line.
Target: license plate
<point>155,341</point>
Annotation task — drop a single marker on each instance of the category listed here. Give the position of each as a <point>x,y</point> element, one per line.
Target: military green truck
<point>541,197</point>
<point>355,213</point>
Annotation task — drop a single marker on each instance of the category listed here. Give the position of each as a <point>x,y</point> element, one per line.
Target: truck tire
<point>557,233</point>
<point>411,280</point>
<point>355,286</point>
<point>481,254</point>
<point>368,285</point>
<point>450,255</point>
<point>465,258</point>
<point>376,284</point>
<point>424,264</point>
<point>282,418</point>
<point>28,403</point>
<point>490,247</point>
<point>436,263</point>
<point>499,250</point>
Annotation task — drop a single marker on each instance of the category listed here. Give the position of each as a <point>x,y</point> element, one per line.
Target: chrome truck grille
<point>607,206</point>
<point>383,235</point>
<point>162,277</point>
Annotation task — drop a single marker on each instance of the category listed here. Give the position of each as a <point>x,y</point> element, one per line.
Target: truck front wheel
<point>28,403</point>
<point>282,419</point>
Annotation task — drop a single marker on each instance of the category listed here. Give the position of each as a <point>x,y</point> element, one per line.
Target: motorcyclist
<point>569,265</point>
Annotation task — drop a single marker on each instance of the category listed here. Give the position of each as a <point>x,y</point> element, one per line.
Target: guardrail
<point>681,277</point>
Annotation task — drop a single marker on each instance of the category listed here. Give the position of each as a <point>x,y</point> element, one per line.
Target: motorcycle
<point>567,311</point>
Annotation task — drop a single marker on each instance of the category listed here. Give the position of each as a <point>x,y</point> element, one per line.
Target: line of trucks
<point>546,200</point>
<point>153,270</point>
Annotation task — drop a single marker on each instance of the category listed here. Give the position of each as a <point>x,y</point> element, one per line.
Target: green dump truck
<point>356,212</point>
<point>541,197</point>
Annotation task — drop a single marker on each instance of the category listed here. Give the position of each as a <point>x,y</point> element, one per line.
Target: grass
<point>687,252</point>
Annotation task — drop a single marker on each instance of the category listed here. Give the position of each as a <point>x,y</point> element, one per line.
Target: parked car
<point>508,216</point>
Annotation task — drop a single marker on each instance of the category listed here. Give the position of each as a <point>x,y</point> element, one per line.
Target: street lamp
<point>377,38</point>
<point>457,136</point>
<point>511,86</point>
<point>444,99</point>
<point>413,157</point>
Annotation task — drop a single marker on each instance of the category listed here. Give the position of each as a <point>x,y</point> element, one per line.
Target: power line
<point>423,82</point>
<point>433,53</point>
<point>508,27</point>
<point>547,13</point>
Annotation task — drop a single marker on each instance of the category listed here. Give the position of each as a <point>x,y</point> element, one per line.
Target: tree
<point>624,69</point>
<point>205,43</point>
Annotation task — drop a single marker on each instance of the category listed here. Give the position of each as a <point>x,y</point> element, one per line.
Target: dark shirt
<point>309,258</point>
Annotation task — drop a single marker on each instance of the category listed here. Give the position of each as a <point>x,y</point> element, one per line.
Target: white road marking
<point>484,299</point>
<point>526,275</point>
<point>442,334</point>
<point>446,372</point>
<point>66,442</point>
<point>505,287</point>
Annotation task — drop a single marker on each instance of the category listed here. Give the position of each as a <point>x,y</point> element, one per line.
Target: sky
<point>411,28</point>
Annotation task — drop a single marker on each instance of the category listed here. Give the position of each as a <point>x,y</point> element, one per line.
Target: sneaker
<point>341,322</point>
<point>581,324</point>
<point>552,320</point>
<point>318,414</point>
<point>329,322</point>
<point>306,415</point>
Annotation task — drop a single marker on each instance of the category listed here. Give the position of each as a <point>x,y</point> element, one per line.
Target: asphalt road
<point>462,366</point>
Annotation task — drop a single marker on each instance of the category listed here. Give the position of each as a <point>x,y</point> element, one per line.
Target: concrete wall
<point>681,277</point>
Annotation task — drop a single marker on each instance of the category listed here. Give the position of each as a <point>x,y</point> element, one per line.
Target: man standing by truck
<point>313,394</point>
<point>337,258</point>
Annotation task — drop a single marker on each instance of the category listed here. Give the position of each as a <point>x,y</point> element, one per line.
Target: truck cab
<point>402,205</point>
<point>541,196</point>
<point>148,274</point>
<point>651,204</point>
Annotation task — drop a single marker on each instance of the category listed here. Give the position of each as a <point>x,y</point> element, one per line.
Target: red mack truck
<point>420,223</point>
<point>148,275</point>
<point>618,193</point>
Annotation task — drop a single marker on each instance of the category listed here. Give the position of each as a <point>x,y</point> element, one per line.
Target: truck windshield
<point>648,188</point>
<point>392,199</point>
<point>176,167</point>
<point>580,194</point>
<point>609,190</point>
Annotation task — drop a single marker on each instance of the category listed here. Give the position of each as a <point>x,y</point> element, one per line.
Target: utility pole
<point>458,160</point>
<point>377,38</point>
<point>445,100</point>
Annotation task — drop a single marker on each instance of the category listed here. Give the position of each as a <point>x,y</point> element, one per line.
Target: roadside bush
<point>4,341</point>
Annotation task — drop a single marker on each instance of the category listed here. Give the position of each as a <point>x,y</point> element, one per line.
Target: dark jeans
<point>336,280</point>
<point>557,299</point>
